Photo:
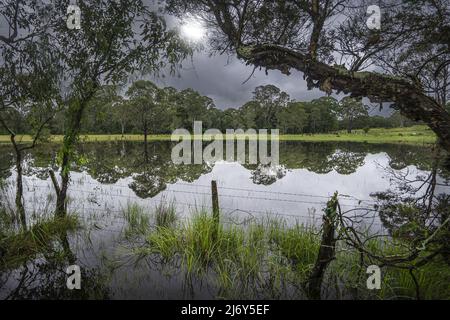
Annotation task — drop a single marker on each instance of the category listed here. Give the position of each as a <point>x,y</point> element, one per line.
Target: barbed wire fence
<point>361,210</point>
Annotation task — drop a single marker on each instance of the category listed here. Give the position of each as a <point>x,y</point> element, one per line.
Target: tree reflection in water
<point>150,170</point>
<point>45,277</point>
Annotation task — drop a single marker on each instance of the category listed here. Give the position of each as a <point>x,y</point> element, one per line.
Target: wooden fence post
<point>215,206</point>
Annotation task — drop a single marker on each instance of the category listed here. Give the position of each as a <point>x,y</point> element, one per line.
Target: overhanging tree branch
<point>377,87</point>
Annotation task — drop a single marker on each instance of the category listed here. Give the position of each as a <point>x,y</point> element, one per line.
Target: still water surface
<point>109,176</point>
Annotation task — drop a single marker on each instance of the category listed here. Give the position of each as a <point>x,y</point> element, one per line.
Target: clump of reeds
<point>138,220</point>
<point>165,214</point>
<point>24,245</point>
<point>270,258</point>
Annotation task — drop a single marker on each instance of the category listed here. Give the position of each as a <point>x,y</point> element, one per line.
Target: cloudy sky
<point>226,80</point>
<point>222,79</point>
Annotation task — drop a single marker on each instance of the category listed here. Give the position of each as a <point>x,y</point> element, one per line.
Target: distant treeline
<point>146,108</point>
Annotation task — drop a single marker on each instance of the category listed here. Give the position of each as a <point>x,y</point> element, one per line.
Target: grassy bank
<point>270,259</point>
<point>411,135</point>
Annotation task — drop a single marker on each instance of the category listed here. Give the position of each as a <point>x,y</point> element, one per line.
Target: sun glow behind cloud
<point>193,30</point>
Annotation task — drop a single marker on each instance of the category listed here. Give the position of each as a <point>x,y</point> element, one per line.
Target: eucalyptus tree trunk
<point>146,141</point>
<point>68,147</point>
<point>19,191</point>
<point>19,150</point>
<point>19,179</point>
<point>326,251</point>
<point>76,111</point>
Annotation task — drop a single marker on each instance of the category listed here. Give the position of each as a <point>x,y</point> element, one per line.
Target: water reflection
<point>45,278</point>
<point>152,169</point>
<point>109,175</point>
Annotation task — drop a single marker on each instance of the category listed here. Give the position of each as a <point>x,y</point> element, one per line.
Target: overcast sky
<point>222,79</point>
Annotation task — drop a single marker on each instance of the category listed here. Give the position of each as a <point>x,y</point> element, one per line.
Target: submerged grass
<point>20,247</point>
<point>138,220</point>
<point>272,259</point>
<point>245,261</point>
<point>396,283</point>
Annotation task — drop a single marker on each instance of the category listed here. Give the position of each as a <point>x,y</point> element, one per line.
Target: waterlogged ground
<point>111,177</point>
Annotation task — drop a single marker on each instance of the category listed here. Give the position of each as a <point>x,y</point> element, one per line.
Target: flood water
<point>109,176</point>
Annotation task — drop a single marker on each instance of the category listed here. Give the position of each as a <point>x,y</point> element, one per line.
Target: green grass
<point>138,220</point>
<point>272,259</point>
<point>412,135</point>
<point>396,283</point>
<point>165,214</point>
<point>19,247</point>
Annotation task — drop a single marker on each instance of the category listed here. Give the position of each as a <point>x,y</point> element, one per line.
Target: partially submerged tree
<point>271,100</point>
<point>192,106</point>
<point>28,85</point>
<point>329,42</point>
<point>116,39</point>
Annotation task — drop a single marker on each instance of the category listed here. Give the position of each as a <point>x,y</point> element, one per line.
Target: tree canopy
<point>330,43</point>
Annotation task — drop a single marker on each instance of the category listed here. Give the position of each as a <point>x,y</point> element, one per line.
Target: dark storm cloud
<point>222,79</point>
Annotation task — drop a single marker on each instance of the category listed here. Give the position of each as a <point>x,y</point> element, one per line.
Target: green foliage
<point>270,259</point>
<point>165,214</point>
<point>349,109</point>
<point>155,110</point>
<point>191,106</point>
<point>138,220</point>
<point>147,107</point>
<point>18,248</point>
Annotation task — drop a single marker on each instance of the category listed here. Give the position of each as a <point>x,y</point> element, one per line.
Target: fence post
<point>215,206</point>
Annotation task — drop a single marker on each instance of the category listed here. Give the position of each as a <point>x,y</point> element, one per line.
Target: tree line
<point>147,109</point>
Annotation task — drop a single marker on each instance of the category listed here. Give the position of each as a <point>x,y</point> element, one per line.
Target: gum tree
<point>147,106</point>
<point>349,109</point>
<point>271,100</point>
<point>28,84</point>
<point>330,43</point>
<point>116,39</point>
